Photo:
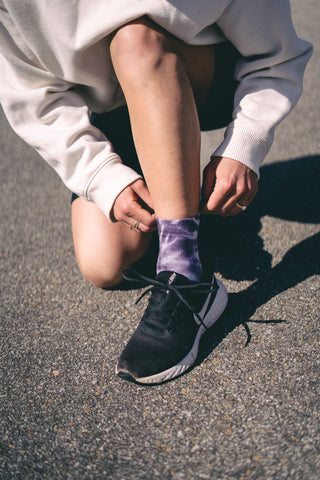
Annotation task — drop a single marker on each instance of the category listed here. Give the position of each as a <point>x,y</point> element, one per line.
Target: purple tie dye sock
<point>178,247</point>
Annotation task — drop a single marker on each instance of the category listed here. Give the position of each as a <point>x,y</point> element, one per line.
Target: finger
<point>143,216</point>
<point>127,210</point>
<point>239,196</point>
<point>219,197</point>
<point>142,191</point>
<point>208,182</point>
<point>236,206</point>
<point>138,227</point>
<point>147,221</point>
<point>140,214</point>
<point>246,191</point>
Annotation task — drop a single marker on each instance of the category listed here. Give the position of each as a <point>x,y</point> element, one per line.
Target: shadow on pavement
<point>287,190</point>
<point>232,246</point>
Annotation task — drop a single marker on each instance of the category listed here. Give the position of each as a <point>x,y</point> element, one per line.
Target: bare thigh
<point>199,62</point>
<point>104,249</point>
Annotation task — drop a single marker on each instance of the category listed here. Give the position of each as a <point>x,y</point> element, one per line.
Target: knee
<point>102,275</point>
<point>140,47</point>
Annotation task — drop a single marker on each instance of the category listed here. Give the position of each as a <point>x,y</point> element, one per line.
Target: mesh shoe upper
<point>168,327</point>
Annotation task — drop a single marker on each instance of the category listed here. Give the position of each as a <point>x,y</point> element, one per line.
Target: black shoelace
<point>199,288</point>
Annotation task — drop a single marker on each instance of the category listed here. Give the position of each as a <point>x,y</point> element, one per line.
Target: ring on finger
<point>135,226</point>
<point>242,207</point>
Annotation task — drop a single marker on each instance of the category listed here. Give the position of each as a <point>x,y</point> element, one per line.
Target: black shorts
<point>214,113</point>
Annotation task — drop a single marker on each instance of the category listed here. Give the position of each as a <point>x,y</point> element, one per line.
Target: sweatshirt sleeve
<point>270,73</point>
<point>50,116</point>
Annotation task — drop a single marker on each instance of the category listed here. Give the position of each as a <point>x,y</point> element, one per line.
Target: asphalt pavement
<point>249,409</point>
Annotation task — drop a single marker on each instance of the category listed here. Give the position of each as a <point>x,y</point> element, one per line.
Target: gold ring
<point>242,207</point>
<point>135,226</point>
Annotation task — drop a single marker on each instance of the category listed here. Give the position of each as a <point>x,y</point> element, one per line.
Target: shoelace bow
<point>156,285</point>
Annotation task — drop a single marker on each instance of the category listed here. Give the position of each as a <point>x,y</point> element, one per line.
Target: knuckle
<point>139,183</point>
<point>227,184</point>
<point>126,208</point>
<point>241,191</point>
<point>122,216</point>
<point>119,217</point>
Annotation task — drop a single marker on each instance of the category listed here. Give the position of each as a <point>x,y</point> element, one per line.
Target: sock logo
<point>171,279</point>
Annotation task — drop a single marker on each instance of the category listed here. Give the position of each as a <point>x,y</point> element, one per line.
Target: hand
<point>134,204</point>
<point>225,183</point>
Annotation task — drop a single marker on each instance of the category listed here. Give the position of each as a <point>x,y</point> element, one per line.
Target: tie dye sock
<point>178,247</point>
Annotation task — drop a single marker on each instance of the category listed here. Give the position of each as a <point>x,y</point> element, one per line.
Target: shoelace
<point>156,285</point>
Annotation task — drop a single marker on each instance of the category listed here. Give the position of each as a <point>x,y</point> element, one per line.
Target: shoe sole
<point>214,313</point>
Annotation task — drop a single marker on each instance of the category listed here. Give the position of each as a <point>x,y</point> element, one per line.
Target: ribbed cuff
<point>108,182</point>
<point>245,146</point>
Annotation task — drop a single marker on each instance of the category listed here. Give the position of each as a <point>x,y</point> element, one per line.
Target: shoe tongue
<point>172,278</point>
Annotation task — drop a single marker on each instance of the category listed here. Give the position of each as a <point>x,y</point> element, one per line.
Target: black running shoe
<point>166,342</point>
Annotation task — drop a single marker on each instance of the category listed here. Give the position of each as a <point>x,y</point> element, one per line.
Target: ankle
<point>178,247</point>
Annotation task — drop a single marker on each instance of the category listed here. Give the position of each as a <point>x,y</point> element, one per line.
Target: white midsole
<point>216,310</point>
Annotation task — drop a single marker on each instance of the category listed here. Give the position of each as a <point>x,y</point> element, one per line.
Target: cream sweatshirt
<point>55,69</point>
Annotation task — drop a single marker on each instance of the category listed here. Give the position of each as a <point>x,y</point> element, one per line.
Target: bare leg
<point>156,75</point>
<point>155,71</point>
<point>104,249</point>
<point>162,79</point>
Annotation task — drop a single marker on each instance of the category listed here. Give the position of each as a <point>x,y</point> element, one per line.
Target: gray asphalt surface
<point>250,407</point>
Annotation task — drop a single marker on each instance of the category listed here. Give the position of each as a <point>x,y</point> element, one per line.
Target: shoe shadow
<point>232,246</point>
